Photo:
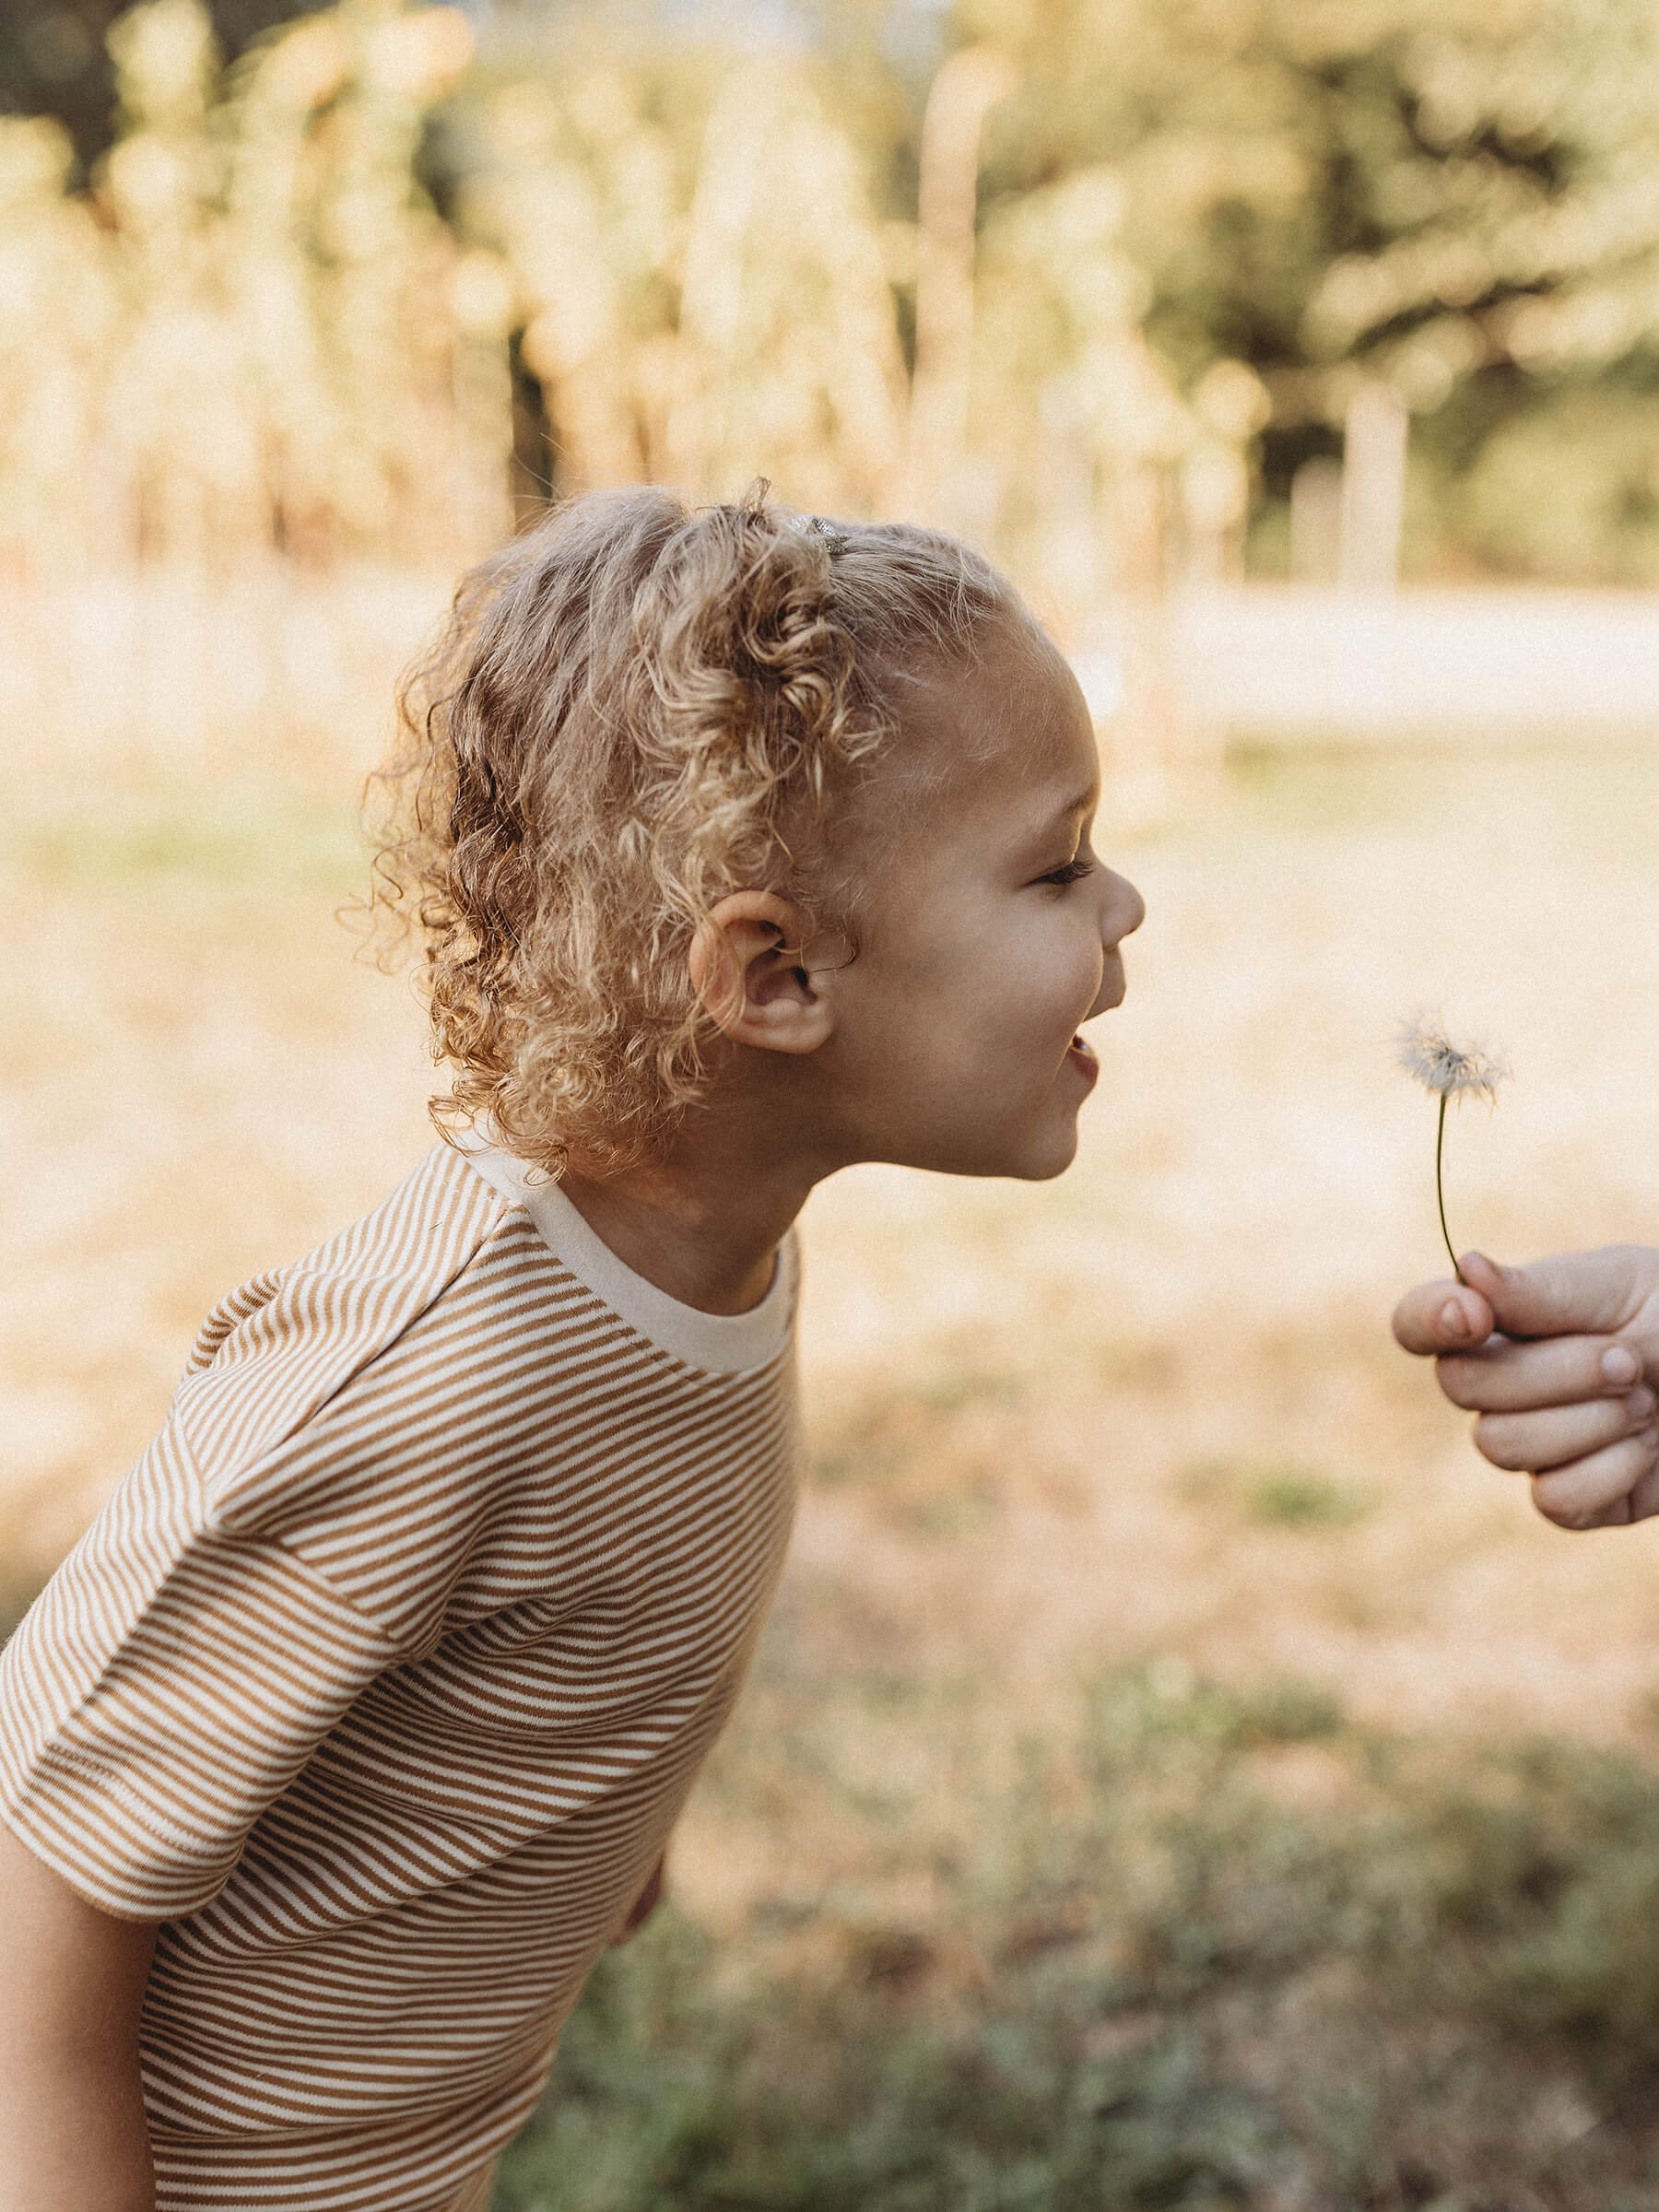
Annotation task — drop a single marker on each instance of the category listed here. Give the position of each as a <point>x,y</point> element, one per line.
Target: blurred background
<point>1179,1773</point>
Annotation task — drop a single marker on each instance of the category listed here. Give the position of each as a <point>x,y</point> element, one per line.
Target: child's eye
<point>1072,872</point>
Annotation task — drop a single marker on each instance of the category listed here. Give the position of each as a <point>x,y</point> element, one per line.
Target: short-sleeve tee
<point>382,1678</point>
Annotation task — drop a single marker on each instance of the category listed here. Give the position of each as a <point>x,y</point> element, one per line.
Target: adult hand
<point>1559,1361</point>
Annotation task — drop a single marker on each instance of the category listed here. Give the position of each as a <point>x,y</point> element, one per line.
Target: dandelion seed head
<point>1444,1068</point>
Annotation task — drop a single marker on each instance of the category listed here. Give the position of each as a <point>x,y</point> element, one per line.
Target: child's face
<point>988,937</point>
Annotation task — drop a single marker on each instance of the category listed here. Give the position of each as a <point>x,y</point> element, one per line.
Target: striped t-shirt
<point>382,1678</point>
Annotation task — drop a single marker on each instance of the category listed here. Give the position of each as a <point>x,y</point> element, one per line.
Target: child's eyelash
<point>1072,872</point>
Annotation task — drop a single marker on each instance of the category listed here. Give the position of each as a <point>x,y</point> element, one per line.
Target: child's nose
<point>1126,908</point>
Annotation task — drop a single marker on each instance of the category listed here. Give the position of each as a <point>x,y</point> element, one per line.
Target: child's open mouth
<point>1081,1055</point>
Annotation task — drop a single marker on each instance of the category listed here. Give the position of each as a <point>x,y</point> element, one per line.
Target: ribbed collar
<point>723,1343</point>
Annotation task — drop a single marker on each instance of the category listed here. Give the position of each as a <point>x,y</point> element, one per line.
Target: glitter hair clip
<point>834,540</point>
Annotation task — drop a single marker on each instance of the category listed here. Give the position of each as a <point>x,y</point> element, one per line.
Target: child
<point>1559,1360</point>
<point>743,848</point>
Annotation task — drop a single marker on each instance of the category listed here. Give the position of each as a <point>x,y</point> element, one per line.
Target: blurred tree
<point>257,334</point>
<point>54,61</point>
<point>704,305</point>
<point>1066,276</point>
<point>57,311</point>
<point>734,262</point>
<point>1458,197</point>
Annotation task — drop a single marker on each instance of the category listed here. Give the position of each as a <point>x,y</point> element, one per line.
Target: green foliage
<point>1296,1497</point>
<point>1164,1984</point>
<point>1570,488</point>
<point>1305,179</point>
<point>258,830</point>
<point>1276,1493</point>
<point>1455,195</point>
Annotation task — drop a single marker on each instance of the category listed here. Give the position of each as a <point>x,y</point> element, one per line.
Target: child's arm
<point>644,1905</point>
<point>1559,1360</point>
<point>72,1980</point>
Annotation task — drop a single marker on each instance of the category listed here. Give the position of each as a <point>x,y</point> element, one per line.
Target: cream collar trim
<point>726,1343</point>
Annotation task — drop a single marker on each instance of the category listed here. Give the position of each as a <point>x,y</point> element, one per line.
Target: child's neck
<point>703,1226</point>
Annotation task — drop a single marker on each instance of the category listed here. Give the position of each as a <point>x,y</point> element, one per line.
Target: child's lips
<point>1081,1054</point>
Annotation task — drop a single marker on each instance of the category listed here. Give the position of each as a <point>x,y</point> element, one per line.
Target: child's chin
<point>1024,1155</point>
<point>1042,1163</point>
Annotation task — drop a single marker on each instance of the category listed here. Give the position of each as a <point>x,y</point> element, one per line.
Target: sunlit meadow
<point>1179,1773</point>
<point>1137,1723</point>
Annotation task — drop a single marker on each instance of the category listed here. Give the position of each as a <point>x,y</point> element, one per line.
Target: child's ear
<point>748,966</point>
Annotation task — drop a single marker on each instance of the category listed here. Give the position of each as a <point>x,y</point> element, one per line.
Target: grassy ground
<point>1179,1773</point>
<point>1214,1949</point>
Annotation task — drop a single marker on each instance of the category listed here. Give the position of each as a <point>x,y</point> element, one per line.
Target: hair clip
<point>834,540</point>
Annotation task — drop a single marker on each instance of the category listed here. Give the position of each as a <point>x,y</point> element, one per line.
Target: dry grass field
<point>1141,1426</point>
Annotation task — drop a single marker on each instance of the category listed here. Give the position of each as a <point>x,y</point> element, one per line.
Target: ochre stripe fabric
<point>383,1676</point>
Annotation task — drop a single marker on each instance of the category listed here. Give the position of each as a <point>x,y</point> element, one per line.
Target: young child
<point>743,848</point>
<point>1561,1361</point>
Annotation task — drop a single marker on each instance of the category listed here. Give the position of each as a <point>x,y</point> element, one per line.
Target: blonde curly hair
<point>633,710</point>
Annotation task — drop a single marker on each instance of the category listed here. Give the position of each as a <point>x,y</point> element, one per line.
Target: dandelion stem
<point>1447,1071</point>
<point>1440,1187</point>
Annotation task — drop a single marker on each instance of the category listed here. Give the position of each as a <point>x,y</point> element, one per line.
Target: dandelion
<point>1447,1071</point>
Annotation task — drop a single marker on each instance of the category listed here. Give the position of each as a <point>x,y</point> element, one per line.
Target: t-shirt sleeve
<point>200,1642</point>
<point>167,1684</point>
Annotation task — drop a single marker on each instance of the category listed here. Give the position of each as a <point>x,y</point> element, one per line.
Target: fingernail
<point>1641,1403</point>
<point>1453,1321</point>
<point>1619,1365</point>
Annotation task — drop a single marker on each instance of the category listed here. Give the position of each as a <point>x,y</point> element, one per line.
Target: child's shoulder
<point>282,1347</point>
<point>368,1282</point>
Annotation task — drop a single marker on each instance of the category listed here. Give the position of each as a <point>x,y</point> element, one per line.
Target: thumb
<point>1441,1317</point>
<point>1569,1294</point>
